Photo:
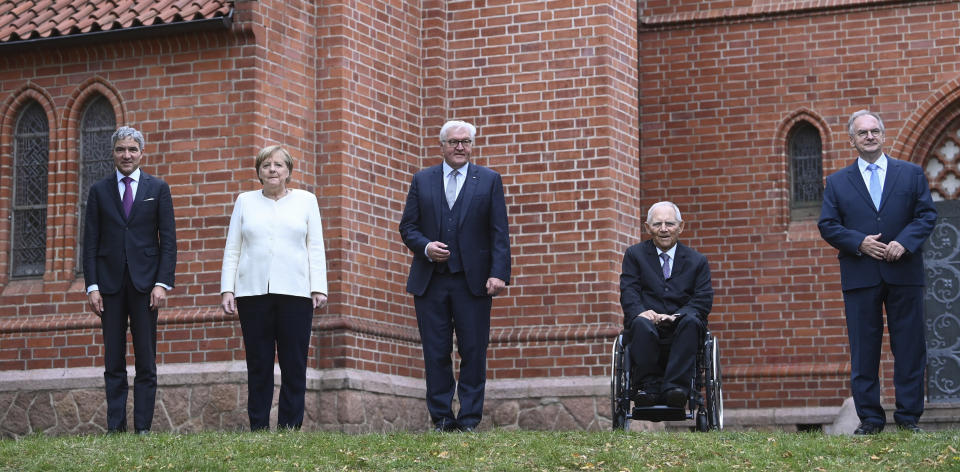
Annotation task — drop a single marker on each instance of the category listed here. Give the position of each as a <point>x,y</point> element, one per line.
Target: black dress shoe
<point>675,397</point>
<point>445,427</point>
<point>643,398</point>
<point>912,427</point>
<point>866,429</point>
<point>467,429</point>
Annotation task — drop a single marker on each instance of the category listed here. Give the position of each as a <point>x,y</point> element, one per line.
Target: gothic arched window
<point>97,125</point>
<point>31,152</point>
<point>806,171</point>
<point>943,165</point>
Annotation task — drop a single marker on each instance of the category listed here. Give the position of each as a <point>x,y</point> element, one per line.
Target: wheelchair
<point>705,403</point>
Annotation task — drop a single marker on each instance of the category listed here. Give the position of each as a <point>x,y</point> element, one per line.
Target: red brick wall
<point>719,96</point>
<point>558,90</point>
<point>358,93</point>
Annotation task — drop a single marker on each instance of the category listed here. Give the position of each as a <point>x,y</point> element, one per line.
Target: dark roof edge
<point>135,32</point>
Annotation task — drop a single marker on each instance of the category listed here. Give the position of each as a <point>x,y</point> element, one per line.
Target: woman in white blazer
<point>274,276</point>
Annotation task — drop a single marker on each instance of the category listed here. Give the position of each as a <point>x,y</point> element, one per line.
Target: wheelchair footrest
<point>659,413</point>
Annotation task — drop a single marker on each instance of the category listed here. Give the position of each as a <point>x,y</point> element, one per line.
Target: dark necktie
<point>127,196</point>
<point>666,265</point>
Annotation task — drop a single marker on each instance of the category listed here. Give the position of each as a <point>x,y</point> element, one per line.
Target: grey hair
<point>858,114</point>
<point>457,124</point>
<point>125,132</point>
<point>676,210</point>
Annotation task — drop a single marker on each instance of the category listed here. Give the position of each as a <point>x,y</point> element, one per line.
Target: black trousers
<point>447,307</point>
<point>677,364</point>
<point>118,308</point>
<point>276,326</point>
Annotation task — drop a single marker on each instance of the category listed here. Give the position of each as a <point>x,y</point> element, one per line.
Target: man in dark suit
<point>666,293</point>
<point>129,256</point>
<point>878,212</point>
<point>455,223</point>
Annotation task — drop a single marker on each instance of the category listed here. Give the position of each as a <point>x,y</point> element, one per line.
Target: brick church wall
<point>720,90</point>
<point>589,115</point>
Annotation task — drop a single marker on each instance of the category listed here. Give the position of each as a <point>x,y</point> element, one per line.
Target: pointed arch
<point>933,143</point>
<point>801,139</point>
<point>929,121</point>
<point>24,233</point>
<point>83,146</point>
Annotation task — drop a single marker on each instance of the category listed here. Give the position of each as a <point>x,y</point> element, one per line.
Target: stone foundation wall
<point>213,396</point>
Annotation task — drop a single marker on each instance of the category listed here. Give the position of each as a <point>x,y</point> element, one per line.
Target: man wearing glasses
<point>666,293</point>
<point>455,224</point>
<point>878,212</point>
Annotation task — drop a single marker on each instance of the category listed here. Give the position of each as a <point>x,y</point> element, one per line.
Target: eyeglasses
<point>456,142</point>
<point>875,132</point>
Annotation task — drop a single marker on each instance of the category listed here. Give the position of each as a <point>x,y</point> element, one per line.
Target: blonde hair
<point>267,152</point>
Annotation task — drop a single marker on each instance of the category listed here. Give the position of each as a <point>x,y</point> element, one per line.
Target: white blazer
<point>274,246</point>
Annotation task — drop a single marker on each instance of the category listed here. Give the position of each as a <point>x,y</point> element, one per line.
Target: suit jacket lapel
<point>679,260</point>
<point>113,192</point>
<point>889,181</point>
<point>142,186</point>
<point>467,192</point>
<point>856,182</point>
<point>437,195</point>
<point>653,259</point>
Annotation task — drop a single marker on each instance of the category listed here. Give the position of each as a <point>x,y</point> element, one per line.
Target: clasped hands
<point>873,247</point>
<point>438,252</point>
<point>658,318</point>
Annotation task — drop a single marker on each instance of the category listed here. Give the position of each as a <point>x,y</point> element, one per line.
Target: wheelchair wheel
<point>619,383</point>
<point>714,386</point>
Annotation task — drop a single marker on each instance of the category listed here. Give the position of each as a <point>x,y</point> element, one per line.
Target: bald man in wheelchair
<point>666,295</point>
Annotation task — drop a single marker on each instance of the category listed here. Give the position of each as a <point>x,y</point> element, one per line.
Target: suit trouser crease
<point>864,316</point>
<point>276,327</point>
<point>129,308</point>
<point>448,307</point>
<point>678,368</point>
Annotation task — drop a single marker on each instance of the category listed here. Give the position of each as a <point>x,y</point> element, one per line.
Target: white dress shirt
<point>135,175</point>
<point>670,252</point>
<point>881,170</point>
<point>275,246</point>
<point>461,176</point>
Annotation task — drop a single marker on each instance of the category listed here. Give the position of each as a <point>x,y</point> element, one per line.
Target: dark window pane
<point>30,155</point>
<point>806,171</point>
<point>96,159</point>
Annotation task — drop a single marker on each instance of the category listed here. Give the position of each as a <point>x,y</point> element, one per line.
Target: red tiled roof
<point>39,19</point>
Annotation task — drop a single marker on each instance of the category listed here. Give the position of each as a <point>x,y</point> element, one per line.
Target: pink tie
<point>127,196</point>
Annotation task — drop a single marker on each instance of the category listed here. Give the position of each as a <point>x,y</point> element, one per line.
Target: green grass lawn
<point>487,451</point>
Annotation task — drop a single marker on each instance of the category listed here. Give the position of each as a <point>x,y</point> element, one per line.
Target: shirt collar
<point>881,163</point>
<point>670,252</point>
<point>447,169</point>
<point>135,175</point>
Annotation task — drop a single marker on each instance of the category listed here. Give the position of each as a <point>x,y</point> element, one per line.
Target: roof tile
<point>27,19</point>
